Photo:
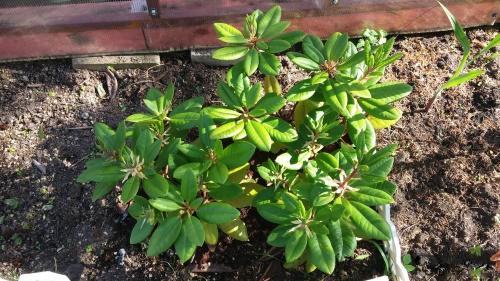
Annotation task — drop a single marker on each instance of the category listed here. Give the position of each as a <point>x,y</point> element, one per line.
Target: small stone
<point>43,276</point>
<point>85,115</point>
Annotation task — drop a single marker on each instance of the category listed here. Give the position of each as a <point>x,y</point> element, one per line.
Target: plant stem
<point>437,94</point>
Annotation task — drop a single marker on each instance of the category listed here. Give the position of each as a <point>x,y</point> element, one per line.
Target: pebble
<point>85,115</point>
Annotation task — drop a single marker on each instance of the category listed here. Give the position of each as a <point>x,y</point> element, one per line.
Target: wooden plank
<point>70,15</point>
<point>110,28</point>
<point>71,43</point>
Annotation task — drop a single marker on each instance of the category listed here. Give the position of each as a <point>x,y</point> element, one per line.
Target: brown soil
<point>447,172</point>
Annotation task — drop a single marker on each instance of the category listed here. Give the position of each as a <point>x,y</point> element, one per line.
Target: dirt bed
<point>446,170</point>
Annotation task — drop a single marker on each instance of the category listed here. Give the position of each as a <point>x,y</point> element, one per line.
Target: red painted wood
<point>69,15</point>
<point>104,28</point>
<point>67,43</point>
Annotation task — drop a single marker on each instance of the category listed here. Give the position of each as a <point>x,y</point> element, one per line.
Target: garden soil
<point>447,171</point>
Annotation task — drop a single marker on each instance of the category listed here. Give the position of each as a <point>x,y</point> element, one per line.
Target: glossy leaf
<point>141,231</point>
<point>269,64</point>
<point>230,53</point>
<point>251,62</point>
<point>235,229</point>
<point>368,222</point>
<point>184,246</point>
<point>224,29</point>
<point>217,213</point>
<point>463,78</point>
<point>189,186</point>
<point>237,154</point>
<point>320,252</point>
<point>130,189</point>
<point>155,186</point>
<point>295,245</point>
<point>164,205</point>
<point>230,129</point>
<point>194,230</point>
<point>164,236</point>
<point>258,135</point>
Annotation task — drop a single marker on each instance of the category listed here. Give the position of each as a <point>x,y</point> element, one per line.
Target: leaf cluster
<point>324,173</point>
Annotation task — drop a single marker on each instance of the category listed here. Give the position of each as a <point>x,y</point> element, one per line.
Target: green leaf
<point>190,105</point>
<point>195,167</point>
<point>104,135</point>
<point>250,190</point>
<point>337,99</point>
<point>227,95</point>
<point>327,162</point>
<point>238,39</point>
<point>155,186</point>
<point>184,247</point>
<point>217,112</point>
<point>277,46</point>
<point>130,189</point>
<point>211,233</point>
<point>258,135</point>
<point>194,230</point>
<point>102,189</point>
<point>275,30</point>
<point>152,151</point>
<point>493,43</point>
<point>271,17</point>
<point>235,229</point>
<point>251,62</point>
<point>380,154</point>
<point>184,120</point>
<point>141,231</point>
<point>292,37</point>
<point>342,238</point>
<point>228,130</point>
<point>224,29</point>
<point>301,91</point>
<point>389,91</point>
<point>302,61</point>
<point>457,29</point>
<point>369,196</point>
<point>269,104</point>
<point>217,213</point>
<point>274,213</point>
<point>295,245</point>
<point>189,186</point>
<point>192,151</point>
<point>320,252</point>
<point>269,64</point>
<point>138,207</point>
<point>164,205</point>
<point>120,136</point>
<point>361,132</point>
<point>367,221</point>
<point>380,110</point>
<point>230,53</point>
<point>164,236</point>
<point>280,130</point>
<point>319,77</point>
<point>463,78</point>
<point>244,151</point>
<point>377,171</point>
<point>218,173</point>
<point>225,192</point>
<point>141,118</point>
<point>252,95</point>
<point>279,236</point>
<point>336,46</point>
<point>311,51</point>
<point>153,101</point>
<point>144,141</point>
